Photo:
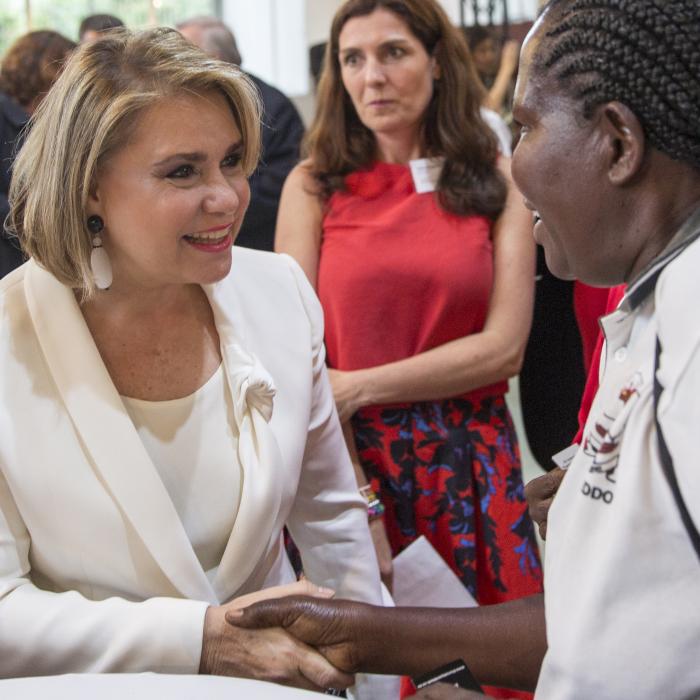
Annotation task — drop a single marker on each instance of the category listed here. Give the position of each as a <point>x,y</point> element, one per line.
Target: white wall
<point>271,36</point>
<point>274,35</point>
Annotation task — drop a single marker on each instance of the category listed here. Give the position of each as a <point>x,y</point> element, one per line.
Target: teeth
<point>207,237</point>
<point>536,217</point>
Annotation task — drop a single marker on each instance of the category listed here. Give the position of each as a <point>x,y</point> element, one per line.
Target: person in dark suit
<point>282,133</point>
<point>28,70</point>
<point>12,119</point>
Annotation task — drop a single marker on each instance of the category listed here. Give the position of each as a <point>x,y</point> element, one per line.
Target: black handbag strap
<point>667,461</point>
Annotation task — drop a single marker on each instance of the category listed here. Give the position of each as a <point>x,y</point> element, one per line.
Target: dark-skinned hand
<point>335,628</point>
<point>540,493</point>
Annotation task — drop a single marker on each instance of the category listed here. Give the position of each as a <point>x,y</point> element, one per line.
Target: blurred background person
<point>94,26</point>
<point>27,71</point>
<point>282,133</point>
<point>496,64</point>
<point>425,275</point>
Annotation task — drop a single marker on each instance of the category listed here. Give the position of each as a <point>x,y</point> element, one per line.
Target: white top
<point>193,447</point>
<point>622,593</point>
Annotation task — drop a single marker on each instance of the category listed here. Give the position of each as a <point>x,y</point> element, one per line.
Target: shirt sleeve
<point>44,632</point>
<point>329,518</point>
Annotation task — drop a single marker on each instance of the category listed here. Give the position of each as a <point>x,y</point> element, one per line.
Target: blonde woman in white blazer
<point>164,412</point>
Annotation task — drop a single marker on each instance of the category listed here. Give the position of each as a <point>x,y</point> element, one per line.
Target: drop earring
<point>99,260</point>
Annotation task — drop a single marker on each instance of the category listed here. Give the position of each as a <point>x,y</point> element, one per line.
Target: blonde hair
<point>88,115</point>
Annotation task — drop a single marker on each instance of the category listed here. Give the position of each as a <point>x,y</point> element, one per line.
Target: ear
<point>94,204</point>
<point>435,68</point>
<point>625,139</point>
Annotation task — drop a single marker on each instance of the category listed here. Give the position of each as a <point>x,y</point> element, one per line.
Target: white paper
<point>564,458</point>
<point>423,579</point>
<point>426,173</point>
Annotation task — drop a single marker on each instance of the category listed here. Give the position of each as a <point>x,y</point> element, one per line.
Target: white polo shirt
<point>622,580</point>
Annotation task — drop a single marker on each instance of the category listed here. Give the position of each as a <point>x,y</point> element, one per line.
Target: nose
<point>221,197</point>
<point>374,72</point>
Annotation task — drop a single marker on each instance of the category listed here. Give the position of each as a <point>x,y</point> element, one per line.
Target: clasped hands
<point>347,635</point>
<point>272,654</point>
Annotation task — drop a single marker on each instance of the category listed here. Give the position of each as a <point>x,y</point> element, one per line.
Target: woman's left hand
<point>347,392</point>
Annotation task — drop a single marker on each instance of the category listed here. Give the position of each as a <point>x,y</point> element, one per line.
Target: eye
<point>396,52</point>
<point>181,172</point>
<point>521,128</point>
<point>351,59</point>
<point>232,160</point>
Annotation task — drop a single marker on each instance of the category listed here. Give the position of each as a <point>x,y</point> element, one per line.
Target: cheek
<point>518,168</point>
<point>352,85</point>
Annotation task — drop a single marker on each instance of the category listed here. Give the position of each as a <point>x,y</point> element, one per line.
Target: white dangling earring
<point>99,260</point>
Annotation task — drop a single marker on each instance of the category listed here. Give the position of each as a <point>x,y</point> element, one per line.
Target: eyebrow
<point>196,156</point>
<point>384,44</point>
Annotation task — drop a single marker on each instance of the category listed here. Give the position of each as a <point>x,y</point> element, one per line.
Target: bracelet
<point>375,508</point>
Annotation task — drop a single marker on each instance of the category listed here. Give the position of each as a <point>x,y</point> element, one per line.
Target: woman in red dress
<point>405,220</point>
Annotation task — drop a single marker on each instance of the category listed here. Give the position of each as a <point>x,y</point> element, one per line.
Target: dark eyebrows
<point>195,156</point>
<point>385,44</point>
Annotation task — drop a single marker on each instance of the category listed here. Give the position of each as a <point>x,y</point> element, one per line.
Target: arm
<point>299,221</point>
<point>46,633</point>
<point>509,61</point>
<point>467,363</point>
<point>299,235</point>
<point>329,518</point>
<point>503,644</point>
<point>376,526</point>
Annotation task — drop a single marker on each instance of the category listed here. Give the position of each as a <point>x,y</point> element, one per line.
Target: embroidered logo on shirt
<point>602,442</point>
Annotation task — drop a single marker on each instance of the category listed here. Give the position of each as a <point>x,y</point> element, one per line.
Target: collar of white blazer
<point>115,450</point>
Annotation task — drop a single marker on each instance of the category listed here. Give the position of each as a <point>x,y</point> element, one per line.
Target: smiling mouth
<point>207,239</point>
<point>536,218</point>
<point>210,237</point>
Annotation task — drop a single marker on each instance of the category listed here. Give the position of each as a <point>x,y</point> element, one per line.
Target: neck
<point>132,301</point>
<point>399,147</point>
<point>678,196</point>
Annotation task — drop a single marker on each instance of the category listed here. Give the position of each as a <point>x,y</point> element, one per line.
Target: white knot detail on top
<point>251,385</point>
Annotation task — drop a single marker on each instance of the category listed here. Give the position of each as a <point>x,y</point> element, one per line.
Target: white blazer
<point>96,571</point>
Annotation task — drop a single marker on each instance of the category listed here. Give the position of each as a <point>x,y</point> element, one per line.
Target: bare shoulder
<point>301,181</point>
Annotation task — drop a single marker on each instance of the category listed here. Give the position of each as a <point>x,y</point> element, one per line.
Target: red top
<point>614,297</point>
<point>397,274</point>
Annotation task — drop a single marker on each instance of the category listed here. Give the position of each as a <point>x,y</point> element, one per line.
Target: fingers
<point>540,494</point>
<point>266,613</point>
<point>301,587</point>
<point>320,672</point>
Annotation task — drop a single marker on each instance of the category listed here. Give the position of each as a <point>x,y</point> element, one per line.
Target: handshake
<point>295,635</point>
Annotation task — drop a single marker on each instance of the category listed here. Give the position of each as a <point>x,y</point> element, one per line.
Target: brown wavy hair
<point>32,64</point>
<point>338,143</point>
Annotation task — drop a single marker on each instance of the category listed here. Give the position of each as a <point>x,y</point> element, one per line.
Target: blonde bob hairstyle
<point>89,114</point>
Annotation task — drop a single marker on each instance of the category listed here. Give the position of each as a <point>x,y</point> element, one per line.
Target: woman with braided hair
<point>609,161</point>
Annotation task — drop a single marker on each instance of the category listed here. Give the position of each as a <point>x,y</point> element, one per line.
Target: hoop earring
<point>99,260</point>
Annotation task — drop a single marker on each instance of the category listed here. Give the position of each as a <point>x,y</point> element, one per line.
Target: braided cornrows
<point>643,53</point>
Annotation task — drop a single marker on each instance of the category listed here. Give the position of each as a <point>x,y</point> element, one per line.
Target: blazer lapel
<point>252,392</point>
<point>107,432</point>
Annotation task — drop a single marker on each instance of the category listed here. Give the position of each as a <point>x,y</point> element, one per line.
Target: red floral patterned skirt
<point>450,470</point>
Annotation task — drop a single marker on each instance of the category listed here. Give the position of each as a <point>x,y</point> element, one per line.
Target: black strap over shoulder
<point>667,461</point>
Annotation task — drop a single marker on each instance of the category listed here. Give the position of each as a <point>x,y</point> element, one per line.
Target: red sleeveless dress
<point>398,276</point>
